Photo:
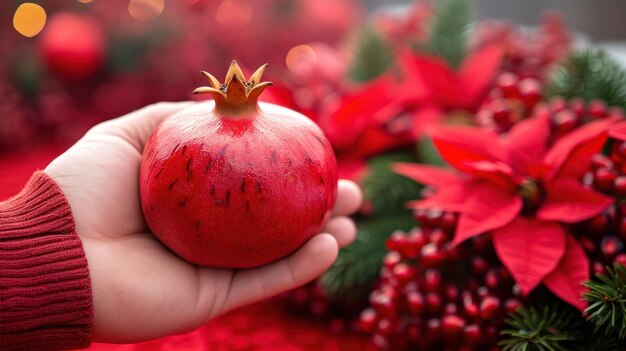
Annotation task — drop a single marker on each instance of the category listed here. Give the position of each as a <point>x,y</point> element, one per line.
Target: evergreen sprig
<point>387,191</point>
<point>373,55</point>
<point>547,328</point>
<point>358,266</point>
<point>607,301</point>
<point>428,153</point>
<point>590,74</point>
<point>449,30</point>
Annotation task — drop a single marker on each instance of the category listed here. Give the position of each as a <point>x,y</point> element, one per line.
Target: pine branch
<point>373,55</point>
<point>387,191</point>
<point>548,328</point>
<point>357,268</point>
<point>607,302</point>
<point>449,31</point>
<point>591,74</point>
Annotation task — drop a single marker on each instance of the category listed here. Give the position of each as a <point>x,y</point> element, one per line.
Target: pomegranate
<point>235,183</point>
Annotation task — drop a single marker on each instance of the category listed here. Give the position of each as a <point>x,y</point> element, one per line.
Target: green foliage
<point>552,328</point>
<point>353,275</point>
<point>591,74</point>
<point>387,191</point>
<point>428,153</point>
<point>607,302</point>
<point>449,31</point>
<point>372,57</point>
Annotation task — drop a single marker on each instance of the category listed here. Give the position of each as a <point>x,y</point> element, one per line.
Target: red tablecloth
<point>263,326</point>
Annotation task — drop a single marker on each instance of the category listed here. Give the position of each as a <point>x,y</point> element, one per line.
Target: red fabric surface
<point>44,279</point>
<point>263,326</point>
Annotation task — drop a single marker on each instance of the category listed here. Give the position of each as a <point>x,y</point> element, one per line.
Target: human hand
<point>141,290</point>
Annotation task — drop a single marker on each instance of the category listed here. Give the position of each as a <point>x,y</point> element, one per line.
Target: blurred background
<point>66,65</point>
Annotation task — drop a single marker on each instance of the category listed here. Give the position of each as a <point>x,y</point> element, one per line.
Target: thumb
<point>136,127</point>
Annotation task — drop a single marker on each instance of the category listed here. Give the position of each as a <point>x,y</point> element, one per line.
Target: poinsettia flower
<point>450,88</point>
<point>495,178</point>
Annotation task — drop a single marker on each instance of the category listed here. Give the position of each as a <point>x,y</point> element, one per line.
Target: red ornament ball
<point>239,185</point>
<point>72,46</point>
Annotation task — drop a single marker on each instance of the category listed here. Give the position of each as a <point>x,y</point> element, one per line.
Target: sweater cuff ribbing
<point>45,291</point>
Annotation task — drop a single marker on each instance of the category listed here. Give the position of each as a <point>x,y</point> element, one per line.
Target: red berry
<point>558,104</point>
<point>382,303</point>
<point>578,106</point>
<point>450,309</point>
<point>431,255</point>
<point>438,236</point>
<point>597,109</point>
<point>368,320</point>
<point>452,292</point>
<point>588,244</point>
<point>620,186</point>
<point>472,334</point>
<point>415,301</point>
<point>433,303</point>
<point>492,279</point>
<point>318,307</point>
<point>433,218</point>
<point>391,259</point>
<point>501,112</point>
<point>432,280</point>
<point>564,122</point>
<point>479,265</point>
<point>414,332</point>
<point>448,222</point>
<point>611,245</point>
<point>403,273</point>
<point>396,240</point>
<point>511,305</point>
<point>489,307</point>
<point>604,179</point>
<point>597,225</point>
<point>621,259</point>
<point>507,83</point>
<point>482,244</point>
<point>598,268</point>
<point>531,91</point>
<point>433,327</point>
<point>385,327</point>
<point>620,150</point>
<point>451,326</point>
<point>600,161</point>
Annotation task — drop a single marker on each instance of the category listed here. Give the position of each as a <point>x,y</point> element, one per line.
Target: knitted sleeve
<point>45,291</point>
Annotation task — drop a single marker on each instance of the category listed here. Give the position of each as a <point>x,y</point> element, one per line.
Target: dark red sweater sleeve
<point>45,291</point>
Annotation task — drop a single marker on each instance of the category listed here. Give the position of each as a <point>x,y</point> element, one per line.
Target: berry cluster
<point>433,295</point>
<point>511,100</point>
<point>567,115</point>
<point>603,236</point>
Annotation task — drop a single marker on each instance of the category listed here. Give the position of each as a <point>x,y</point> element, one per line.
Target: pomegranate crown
<point>235,95</point>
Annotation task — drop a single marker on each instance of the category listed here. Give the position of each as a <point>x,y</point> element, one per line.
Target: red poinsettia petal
<point>529,249</point>
<point>618,132</point>
<point>354,112</point>
<point>354,170</point>
<point>565,281</point>
<point>497,173</point>
<point>424,118</point>
<point>571,155</point>
<point>477,72</point>
<point>460,146</point>
<point>526,144</point>
<point>570,202</point>
<point>487,207</point>
<point>374,140</point>
<point>436,177</point>
<point>431,77</point>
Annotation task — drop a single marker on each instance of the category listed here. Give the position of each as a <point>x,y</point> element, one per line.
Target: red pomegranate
<point>237,184</point>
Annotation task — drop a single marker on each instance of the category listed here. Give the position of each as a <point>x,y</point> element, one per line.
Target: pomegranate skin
<point>237,192</point>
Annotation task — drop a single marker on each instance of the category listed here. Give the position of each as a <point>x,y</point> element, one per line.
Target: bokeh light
<point>146,9</point>
<point>234,13</point>
<point>300,58</point>
<point>29,19</point>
